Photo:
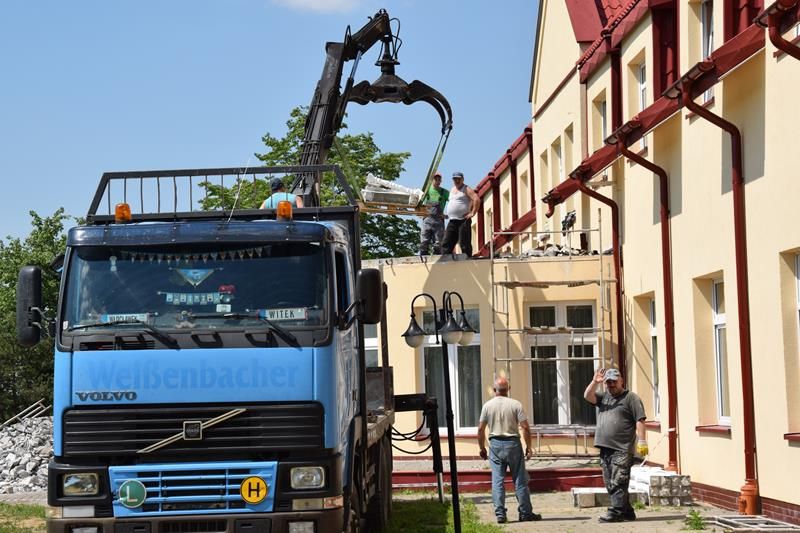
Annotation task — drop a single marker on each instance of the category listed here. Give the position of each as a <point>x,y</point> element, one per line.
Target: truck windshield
<point>176,287</point>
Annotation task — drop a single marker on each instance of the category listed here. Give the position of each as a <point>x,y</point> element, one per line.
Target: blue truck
<point>210,371</point>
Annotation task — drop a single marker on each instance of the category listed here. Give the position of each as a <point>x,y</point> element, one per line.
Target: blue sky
<point>94,86</point>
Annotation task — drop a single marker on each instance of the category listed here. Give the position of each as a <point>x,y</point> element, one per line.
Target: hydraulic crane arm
<point>327,108</point>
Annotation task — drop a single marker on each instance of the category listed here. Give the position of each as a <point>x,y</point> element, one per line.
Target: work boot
<point>532,517</point>
<point>612,517</point>
<point>629,516</point>
<point>501,519</point>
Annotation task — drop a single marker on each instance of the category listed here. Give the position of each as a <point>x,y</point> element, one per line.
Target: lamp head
<point>414,335</point>
<point>451,332</point>
<point>467,331</point>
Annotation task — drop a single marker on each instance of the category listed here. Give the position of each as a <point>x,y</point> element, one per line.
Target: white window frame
<point>654,356</point>
<point>602,109</point>
<point>641,80</point>
<point>557,153</point>
<point>372,343</point>
<point>452,354</point>
<point>707,37</point>
<point>720,328</point>
<point>562,342</point>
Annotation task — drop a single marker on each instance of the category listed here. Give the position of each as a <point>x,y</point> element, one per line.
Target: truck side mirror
<point>369,291</point>
<point>29,305</point>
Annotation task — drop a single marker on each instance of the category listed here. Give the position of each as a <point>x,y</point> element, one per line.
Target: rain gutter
<point>749,493</point>
<point>616,250</point>
<point>618,139</point>
<point>771,19</point>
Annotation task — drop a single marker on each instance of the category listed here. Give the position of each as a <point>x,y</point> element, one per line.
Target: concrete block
<point>598,497</point>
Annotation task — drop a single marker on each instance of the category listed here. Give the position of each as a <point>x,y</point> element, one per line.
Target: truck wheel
<point>355,520</point>
<point>380,508</point>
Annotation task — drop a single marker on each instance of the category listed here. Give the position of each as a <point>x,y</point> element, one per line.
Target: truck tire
<point>380,508</point>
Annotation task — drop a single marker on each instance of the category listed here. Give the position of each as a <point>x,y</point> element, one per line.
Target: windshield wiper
<point>163,336</point>
<point>285,335</point>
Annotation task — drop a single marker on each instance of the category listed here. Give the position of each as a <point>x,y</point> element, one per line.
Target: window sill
<point>792,437</point>
<point>708,103</point>
<point>779,53</point>
<point>714,429</point>
<point>653,425</point>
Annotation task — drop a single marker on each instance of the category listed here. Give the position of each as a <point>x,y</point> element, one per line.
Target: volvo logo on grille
<point>106,395</point>
<point>192,430</point>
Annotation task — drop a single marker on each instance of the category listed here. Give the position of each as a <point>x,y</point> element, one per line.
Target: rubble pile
<point>25,449</point>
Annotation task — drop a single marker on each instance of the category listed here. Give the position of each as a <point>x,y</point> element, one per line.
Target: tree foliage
<point>382,235</point>
<point>26,374</point>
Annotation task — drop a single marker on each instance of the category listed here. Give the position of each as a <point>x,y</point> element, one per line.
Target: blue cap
<point>612,374</point>
<point>275,184</point>
<point>458,175</point>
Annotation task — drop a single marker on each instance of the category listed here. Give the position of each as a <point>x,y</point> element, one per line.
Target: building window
<point>721,352</point>
<point>707,36</point>
<point>465,374</point>
<point>641,78</point>
<point>564,352</point>
<point>654,356</point>
<point>603,121</point>
<point>371,344</point>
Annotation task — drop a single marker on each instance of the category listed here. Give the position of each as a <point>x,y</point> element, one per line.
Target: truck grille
<point>121,431</point>
<point>192,488</point>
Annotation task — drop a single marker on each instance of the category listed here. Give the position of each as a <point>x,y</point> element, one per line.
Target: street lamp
<point>452,332</point>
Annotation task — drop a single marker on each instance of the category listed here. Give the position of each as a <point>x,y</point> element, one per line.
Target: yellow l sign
<point>253,490</point>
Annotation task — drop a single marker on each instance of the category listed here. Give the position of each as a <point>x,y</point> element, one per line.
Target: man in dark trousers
<point>504,416</point>
<point>620,419</point>
<point>433,223</point>
<point>463,205</point>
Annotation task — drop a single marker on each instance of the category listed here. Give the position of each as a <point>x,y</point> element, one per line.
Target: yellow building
<point>678,112</point>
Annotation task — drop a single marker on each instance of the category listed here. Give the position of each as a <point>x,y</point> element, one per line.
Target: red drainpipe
<point>669,310</point>
<point>749,495</point>
<point>617,252</point>
<point>529,140</point>
<point>773,23</point>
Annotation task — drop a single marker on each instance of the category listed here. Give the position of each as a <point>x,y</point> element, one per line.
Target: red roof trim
<point>517,226</point>
<point>516,149</point>
<point>725,58</point>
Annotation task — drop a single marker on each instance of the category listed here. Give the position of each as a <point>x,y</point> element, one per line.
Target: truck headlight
<point>81,484</point>
<point>308,477</point>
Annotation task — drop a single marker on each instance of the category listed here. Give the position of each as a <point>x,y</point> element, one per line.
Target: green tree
<point>382,235</point>
<point>26,374</point>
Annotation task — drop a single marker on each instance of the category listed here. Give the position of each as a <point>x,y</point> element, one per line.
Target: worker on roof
<point>280,193</point>
<point>463,205</point>
<point>433,223</point>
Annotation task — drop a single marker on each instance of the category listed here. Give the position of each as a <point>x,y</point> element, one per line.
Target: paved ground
<point>558,515</point>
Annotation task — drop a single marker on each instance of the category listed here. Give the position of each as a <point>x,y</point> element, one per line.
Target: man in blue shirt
<point>278,194</point>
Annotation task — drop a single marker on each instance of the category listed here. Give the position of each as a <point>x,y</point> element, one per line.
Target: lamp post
<point>447,331</point>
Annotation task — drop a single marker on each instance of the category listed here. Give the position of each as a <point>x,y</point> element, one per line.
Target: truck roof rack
<point>169,195</point>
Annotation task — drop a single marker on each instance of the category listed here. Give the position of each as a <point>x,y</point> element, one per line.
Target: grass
<point>21,518</point>
<point>694,521</point>
<point>638,505</point>
<point>428,516</point>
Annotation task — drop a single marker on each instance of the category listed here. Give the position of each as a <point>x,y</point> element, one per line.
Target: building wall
<point>472,279</point>
<point>697,157</point>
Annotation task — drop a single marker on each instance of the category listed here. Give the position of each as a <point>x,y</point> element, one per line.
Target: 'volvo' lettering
<point>106,396</point>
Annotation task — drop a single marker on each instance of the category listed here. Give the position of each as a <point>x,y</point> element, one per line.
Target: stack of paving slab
<point>661,486</point>
<point>649,485</point>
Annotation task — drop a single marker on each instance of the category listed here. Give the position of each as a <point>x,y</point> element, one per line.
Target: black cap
<point>276,184</point>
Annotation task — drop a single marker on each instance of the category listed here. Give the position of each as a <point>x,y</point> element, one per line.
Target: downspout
<point>774,14</point>
<point>669,310</point>
<point>617,254</point>
<point>529,140</point>
<point>749,495</point>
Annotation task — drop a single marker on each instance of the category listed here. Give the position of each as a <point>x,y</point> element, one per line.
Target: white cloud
<point>320,6</point>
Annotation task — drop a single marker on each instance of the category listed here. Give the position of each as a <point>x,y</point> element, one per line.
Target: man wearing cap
<point>504,416</point>
<point>279,193</point>
<point>433,223</point>
<point>620,419</point>
<point>463,205</point>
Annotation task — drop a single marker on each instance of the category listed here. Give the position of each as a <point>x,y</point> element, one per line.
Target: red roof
<point>610,8</point>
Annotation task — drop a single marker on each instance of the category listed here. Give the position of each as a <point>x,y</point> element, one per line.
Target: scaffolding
<point>506,280</point>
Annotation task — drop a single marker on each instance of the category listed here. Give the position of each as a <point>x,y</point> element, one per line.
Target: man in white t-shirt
<point>504,416</point>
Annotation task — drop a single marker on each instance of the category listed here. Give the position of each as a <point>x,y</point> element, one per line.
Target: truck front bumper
<point>327,521</point>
